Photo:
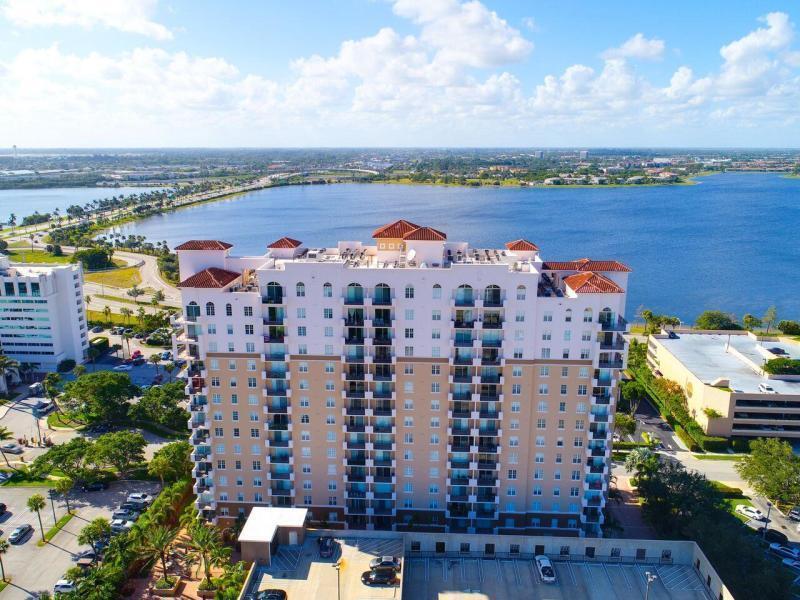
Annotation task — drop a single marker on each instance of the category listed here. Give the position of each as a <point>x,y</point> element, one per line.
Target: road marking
<point>517,576</point>
<point>535,571</point>
<point>571,574</point>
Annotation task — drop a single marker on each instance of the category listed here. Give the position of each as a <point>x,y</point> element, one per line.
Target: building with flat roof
<point>413,382</point>
<point>42,314</point>
<point>723,371</point>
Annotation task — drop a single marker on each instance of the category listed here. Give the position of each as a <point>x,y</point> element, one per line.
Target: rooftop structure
<point>723,371</point>
<point>415,382</point>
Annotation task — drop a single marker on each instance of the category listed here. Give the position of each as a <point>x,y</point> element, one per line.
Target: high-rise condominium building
<point>412,382</point>
<point>42,314</point>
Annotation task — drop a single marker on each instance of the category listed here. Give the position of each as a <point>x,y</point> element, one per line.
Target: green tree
<point>7,366</point>
<point>63,486</point>
<point>632,394</point>
<point>101,396</point>
<point>107,313</point>
<point>119,449</point>
<point>35,504</point>
<point>206,541</point>
<point>624,424</point>
<point>772,469</point>
<point>95,532</point>
<point>789,327</point>
<point>751,322</point>
<point>156,545</point>
<point>3,549</point>
<point>716,320</point>
<point>127,313</point>
<point>94,259</point>
<point>171,462</point>
<point>158,296</point>
<point>51,384</point>
<point>642,462</point>
<point>134,293</point>
<point>161,405</point>
<point>78,371</point>
<point>169,368</point>
<point>154,360</point>
<point>69,458</point>
<point>5,435</point>
<point>770,317</point>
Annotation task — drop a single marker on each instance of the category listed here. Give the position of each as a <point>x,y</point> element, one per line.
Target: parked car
<point>379,577</point>
<point>545,568</point>
<point>97,329</point>
<point>12,448</point>
<point>271,594</point>
<point>94,486</point>
<point>138,361</point>
<point>139,497</point>
<point>766,388</point>
<point>123,367</point>
<point>90,554</point>
<point>4,476</point>
<point>166,355</point>
<point>120,525</point>
<point>125,514</point>
<point>750,512</point>
<point>792,563</point>
<point>137,507</point>
<point>385,562</point>
<point>326,546</point>
<point>784,551</point>
<point>43,407</point>
<point>63,586</point>
<point>794,514</point>
<point>20,533</point>
<point>3,509</point>
<point>773,535</point>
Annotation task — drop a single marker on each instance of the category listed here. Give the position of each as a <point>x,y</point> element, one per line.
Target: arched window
<point>492,296</point>
<point>587,315</point>
<point>228,310</point>
<point>409,291</point>
<point>305,419</point>
<point>520,292</point>
<point>209,309</point>
<point>192,310</point>
<point>327,290</point>
<point>274,293</point>
<point>383,294</point>
<point>464,295</point>
<point>606,317</point>
<point>437,291</point>
<point>355,294</point>
<point>568,316</point>
<point>301,290</point>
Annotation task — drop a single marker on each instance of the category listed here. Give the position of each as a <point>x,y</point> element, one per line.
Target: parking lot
<point>34,569</point>
<point>302,573</point>
<point>467,578</point>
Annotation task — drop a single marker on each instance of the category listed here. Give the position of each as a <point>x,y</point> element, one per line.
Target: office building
<point>42,314</point>
<point>412,381</point>
<point>727,389</point>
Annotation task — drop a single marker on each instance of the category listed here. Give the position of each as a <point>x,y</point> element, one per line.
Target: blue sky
<point>398,72</point>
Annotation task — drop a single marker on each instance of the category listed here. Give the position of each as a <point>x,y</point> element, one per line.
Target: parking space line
<point>571,574</point>
<point>608,575</point>
<point>427,569</point>
<point>480,570</point>
<point>463,571</point>
<point>534,571</point>
<point>588,571</point>
<point>517,576</point>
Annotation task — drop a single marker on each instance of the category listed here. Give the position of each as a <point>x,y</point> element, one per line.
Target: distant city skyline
<point>150,73</point>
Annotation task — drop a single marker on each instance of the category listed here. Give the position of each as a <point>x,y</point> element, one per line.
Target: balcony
<point>279,459</point>
<point>491,343</point>
<point>463,324</point>
<point>354,340</point>
<point>384,445</point>
<point>354,410</point>
<point>385,496</point>
<point>354,427</point>
<point>384,461</point>
<point>354,322</point>
<point>274,338</point>
<point>385,479</point>
<point>458,480</point>
<point>382,341</point>
<point>459,412</point>
<point>610,363</point>
<point>279,443</point>
<point>619,324</point>
<point>277,409</point>
<point>282,492</point>
<point>355,445</point>
<point>272,299</point>
<point>353,376</point>
<point>488,482</point>
<point>280,476</point>
<point>383,428</point>
<point>492,323</point>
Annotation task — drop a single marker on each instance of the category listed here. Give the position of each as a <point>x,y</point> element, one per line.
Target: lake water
<point>26,202</point>
<point>730,242</point>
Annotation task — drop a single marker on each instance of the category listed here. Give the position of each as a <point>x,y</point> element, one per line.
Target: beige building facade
<point>412,383</point>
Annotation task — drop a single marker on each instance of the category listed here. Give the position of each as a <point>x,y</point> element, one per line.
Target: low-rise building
<point>42,314</point>
<point>722,373</point>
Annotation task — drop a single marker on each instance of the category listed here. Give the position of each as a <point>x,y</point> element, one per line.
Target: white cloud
<point>132,16</point>
<point>638,47</point>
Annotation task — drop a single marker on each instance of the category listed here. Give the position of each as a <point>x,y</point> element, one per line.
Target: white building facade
<point>414,382</point>
<point>42,314</point>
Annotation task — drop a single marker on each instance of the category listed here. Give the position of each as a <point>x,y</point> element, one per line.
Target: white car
<point>120,525</point>
<point>123,514</point>
<point>123,368</point>
<point>766,388</point>
<point>12,448</point>
<point>750,512</point>
<point>140,497</point>
<point>63,586</point>
<point>545,568</point>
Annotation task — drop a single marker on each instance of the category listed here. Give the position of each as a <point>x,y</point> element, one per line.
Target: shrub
<point>66,365</point>
<point>725,490</point>
<point>716,319</point>
<point>628,445</point>
<point>782,366</point>
<point>740,445</point>
<point>686,438</point>
<point>713,444</point>
<point>790,327</point>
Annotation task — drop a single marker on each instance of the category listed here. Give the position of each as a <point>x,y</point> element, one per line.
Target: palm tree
<point>78,370</point>
<point>140,314</point>
<point>126,312</point>
<point>7,365</point>
<point>107,313</point>
<point>207,542</point>
<point>134,293</point>
<point>50,384</point>
<point>155,358</point>
<point>127,338</point>
<point>169,368</point>
<point>3,549</point>
<point>641,462</point>
<point>88,299</point>
<point>35,504</point>
<point>5,435</point>
<point>98,529</point>
<point>157,545</point>
<point>63,486</point>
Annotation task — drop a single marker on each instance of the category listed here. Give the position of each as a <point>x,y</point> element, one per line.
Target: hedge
<point>727,491</point>
<point>687,439</point>
<point>629,445</point>
<point>740,445</point>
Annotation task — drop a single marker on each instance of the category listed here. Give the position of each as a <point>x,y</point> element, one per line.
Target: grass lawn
<point>121,278</point>
<point>25,480</point>
<point>732,503</point>
<point>59,420</point>
<point>22,255</point>
<point>129,300</point>
<point>3,585</point>
<point>51,533</point>
<point>97,316</point>
<point>718,456</point>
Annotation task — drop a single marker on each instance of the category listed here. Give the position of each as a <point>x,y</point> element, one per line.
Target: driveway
<point>649,420</point>
<point>34,569</point>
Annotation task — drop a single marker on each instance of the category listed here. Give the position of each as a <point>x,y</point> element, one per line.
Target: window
<point>521,292</point>
<point>436,387</point>
<point>516,407</point>
<point>248,311</point>
<point>305,419</point>
<point>209,309</point>
<point>436,369</point>
<point>541,424</point>
<point>409,291</point>
<point>516,371</point>
<point>544,389</point>
<point>327,313</point>
<point>563,389</point>
<point>547,317</point>
<point>301,331</point>
<point>436,315</point>
<point>327,290</point>
<point>329,332</point>
<point>228,310</point>
<point>587,315</point>
<point>409,314</point>
<point>568,335</point>
<point>301,290</point>
<point>516,389</point>
<point>436,334</point>
<point>512,474</point>
<point>568,316</point>
<point>301,313</point>
<point>437,291</point>
<point>547,335</point>
<point>545,352</point>
<point>409,333</point>
<point>542,406</point>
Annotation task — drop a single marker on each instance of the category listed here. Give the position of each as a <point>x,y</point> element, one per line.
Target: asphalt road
<point>648,420</point>
<point>33,569</point>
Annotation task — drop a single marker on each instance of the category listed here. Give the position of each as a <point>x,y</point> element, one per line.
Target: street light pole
<point>766,523</point>
<point>338,566</point>
<point>649,578</point>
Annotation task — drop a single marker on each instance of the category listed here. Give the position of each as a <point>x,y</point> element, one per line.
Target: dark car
<point>773,535</point>
<point>271,595</point>
<point>326,546</point>
<point>385,562</point>
<point>139,360</point>
<point>794,514</point>
<point>3,508</point>
<point>379,577</point>
<point>95,486</point>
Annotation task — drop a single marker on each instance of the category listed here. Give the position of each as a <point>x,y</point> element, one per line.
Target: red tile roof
<point>592,283</point>
<point>586,264</point>
<point>204,245</point>
<point>285,242</point>
<point>212,277</point>
<point>426,234</point>
<point>395,230</point>
<point>522,246</point>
